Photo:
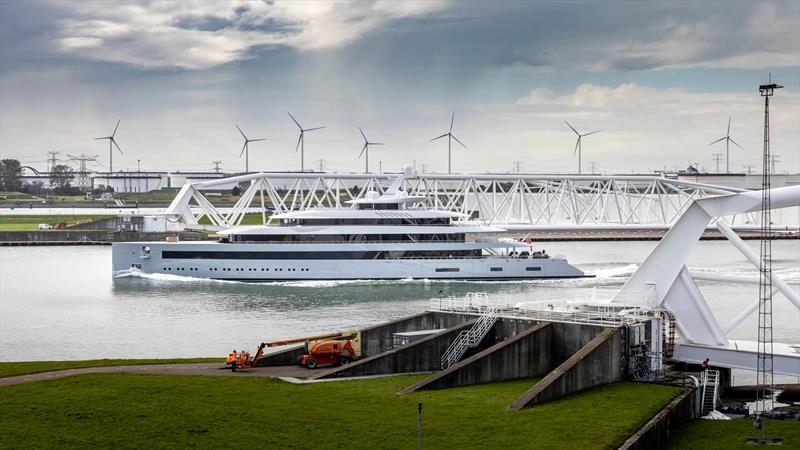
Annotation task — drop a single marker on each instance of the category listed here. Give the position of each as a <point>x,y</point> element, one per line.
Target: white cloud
<point>204,34</point>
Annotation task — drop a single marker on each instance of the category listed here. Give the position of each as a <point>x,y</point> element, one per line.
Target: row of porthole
<point>214,269</point>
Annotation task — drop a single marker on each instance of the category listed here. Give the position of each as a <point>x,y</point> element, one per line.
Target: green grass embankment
<point>731,434</point>
<point>15,222</point>
<point>10,369</point>
<point>126,410</point>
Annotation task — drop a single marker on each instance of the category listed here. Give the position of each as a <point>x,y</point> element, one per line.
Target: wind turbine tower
<point>246,149</point>
<point>111,144</point>
<point>449,135</point>
<point>301,141</point>
<point>365,149</point>
<point>728,140</point>
<point>578,143</point>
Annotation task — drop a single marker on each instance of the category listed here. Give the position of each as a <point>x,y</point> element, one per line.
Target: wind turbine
<point>365,148</point>
<point>111,141</point>
<point>578,143</point>
<point>450,138</point>
<point>246,149</point>
<point>728,140</point>
<point>301,141</point>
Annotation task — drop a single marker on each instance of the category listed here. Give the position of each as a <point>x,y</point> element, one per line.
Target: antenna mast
<point>765,386</point>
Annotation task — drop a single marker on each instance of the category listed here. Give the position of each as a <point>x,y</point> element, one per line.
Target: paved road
<point>207,369</point>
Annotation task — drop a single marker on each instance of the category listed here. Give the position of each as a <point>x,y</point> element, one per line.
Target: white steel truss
<point>518,201</point>
<point>664,273</point>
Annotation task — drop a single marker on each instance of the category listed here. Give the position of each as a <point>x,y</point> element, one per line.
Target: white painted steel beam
<point>580,202</point>
<point>741,355</point>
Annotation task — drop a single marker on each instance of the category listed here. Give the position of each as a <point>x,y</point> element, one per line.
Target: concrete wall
<point>656,431</point>
<point>598,362</point>
<point>524,355</point>
<point>378,339</point>
<point>423,355</point>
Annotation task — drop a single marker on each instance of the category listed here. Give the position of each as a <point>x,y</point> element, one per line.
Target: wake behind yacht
<point>384,237</point>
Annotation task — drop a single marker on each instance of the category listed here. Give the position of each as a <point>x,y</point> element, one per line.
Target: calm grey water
<point>63,303</point>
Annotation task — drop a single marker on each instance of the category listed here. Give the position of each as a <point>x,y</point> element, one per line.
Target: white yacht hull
<point>127,256</point>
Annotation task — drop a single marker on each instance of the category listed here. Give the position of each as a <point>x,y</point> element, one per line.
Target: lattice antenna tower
<point>216,166</point>
<point>765,385</point>
<point>83,172</point>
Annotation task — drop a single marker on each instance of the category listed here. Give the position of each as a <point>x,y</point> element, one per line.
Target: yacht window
<point>448,269</point>
<point>533,269</point>
<point>496,269</point>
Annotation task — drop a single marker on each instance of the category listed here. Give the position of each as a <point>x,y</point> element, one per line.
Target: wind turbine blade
<point>315,128</point>
<point>587,134</point>
<point>577,143</point>
<point>439,137</point>
<point>718,140</point>
<point>115,145</point>
<point>729,126</point>
<point>362,134</point>
<point>297,147</point>
<point>256,140</point>
<point>115,129</point>
<point>363,149</point>
<point>736,144</point>
<point>107,137</point>
<point>376,143</point>
<point>462,144</point>
<point>452,119</point>
<point>241,132</point>
<point>243,147</point>
<point>294,120</point>
<point>572,128</point>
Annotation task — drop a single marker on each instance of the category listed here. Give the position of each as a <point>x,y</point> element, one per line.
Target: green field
<point>10,369</point>
<point>31,222</point>
<point>128,410</point>
<point>249,219</point>
<point>731,434</point>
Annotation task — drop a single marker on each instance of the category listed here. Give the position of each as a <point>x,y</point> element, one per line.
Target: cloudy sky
<point>659,79</point>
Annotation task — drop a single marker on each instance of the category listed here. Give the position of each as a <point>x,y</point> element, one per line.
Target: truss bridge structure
<point>518,202</point>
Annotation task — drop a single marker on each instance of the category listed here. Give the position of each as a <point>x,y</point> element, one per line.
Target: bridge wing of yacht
<point>516,202</point>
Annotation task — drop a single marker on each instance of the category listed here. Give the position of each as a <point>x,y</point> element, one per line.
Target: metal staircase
<point>709,383</point>
<point>470,338</point>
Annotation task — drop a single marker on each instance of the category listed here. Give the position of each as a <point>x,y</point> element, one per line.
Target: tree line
<point>61,176</point>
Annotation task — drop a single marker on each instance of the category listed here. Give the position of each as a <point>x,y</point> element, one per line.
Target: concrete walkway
<point>206,369</point>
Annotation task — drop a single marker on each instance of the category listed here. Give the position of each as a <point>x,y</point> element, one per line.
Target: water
<point>63,303</point>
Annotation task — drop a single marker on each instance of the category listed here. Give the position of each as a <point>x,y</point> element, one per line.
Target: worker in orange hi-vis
<point>232,357</point>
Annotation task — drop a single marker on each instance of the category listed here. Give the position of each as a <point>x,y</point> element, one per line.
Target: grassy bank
<point>10,369</point>
<point>731,434</point>
<point>124,410</point>
<point>31,222</point>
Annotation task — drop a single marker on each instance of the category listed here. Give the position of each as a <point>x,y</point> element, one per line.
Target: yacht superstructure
<point>389,236</point>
